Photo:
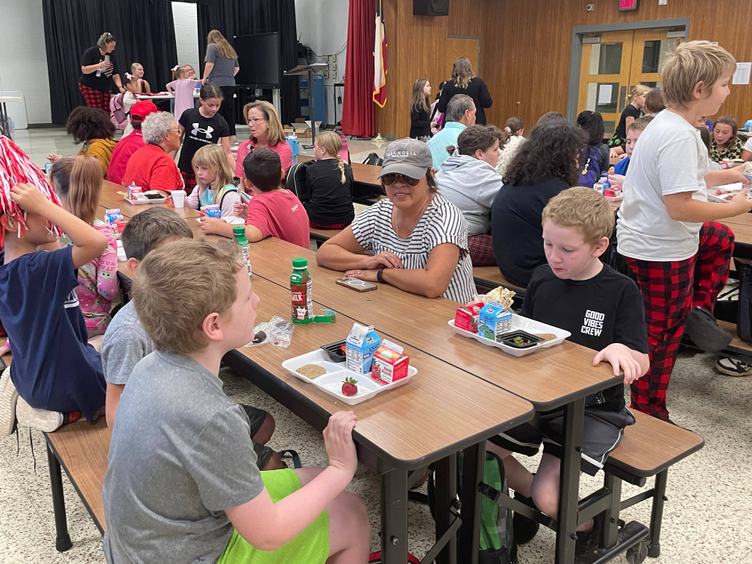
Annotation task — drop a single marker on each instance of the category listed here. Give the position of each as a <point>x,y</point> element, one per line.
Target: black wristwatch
<point>380,275</point>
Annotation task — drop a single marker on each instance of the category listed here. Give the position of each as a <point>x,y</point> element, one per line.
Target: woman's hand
<point>385,259</point>
<point>367,275</point>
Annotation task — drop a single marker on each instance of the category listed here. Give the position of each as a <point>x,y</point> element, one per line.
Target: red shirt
<point>153,169</point>
<point>280,214</point>
<point>123,151</point>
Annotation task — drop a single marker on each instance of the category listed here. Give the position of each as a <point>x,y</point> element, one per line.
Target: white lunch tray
<point>144,200</point>
<point>331,382</point>
<point>519,323</point>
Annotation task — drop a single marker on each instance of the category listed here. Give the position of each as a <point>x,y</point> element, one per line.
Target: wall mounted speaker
<point>430,7</point>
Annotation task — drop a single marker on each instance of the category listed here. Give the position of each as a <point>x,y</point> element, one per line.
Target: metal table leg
<point>574,415</point>
<point>472,473</point>
<point>446,494</point>
<point>62,540</point>
<point>4,121</point>
<point>394,517</point>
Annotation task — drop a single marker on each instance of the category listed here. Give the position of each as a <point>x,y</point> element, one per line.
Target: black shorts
<point>602,433</point>
<point>257,417</point>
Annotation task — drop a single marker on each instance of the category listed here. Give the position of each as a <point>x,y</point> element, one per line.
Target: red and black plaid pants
<point>669,290</point>
<point>95,98</point>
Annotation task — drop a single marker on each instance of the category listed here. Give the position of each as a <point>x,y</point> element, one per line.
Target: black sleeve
<point>484,96</point>
<point>630,328</point>
<point>528,304</point>
<point>89,58</point>
<point>224,129</point>
<point>446,95</point>
<point>605,157</point>
<point>184,119</point>
<point>350,179</point>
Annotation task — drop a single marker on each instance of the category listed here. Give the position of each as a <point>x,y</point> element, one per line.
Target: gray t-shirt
<point>180,455</point>
<point>223,73</point>
<point>125,344</point>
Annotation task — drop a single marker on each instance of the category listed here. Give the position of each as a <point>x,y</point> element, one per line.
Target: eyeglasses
<point>255,120</point>
<point>393,177</point>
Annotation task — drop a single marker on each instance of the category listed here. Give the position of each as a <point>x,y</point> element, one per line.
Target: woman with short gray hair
<point>152,167</point>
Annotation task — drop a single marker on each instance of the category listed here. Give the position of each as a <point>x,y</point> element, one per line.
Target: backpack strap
<point>226,190</point>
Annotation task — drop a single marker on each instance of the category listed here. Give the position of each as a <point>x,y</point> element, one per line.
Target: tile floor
<point>709,495</point>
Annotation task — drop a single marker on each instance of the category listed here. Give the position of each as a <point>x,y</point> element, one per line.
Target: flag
<point>379,58</point>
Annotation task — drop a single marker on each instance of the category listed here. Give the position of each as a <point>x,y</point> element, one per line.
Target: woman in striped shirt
<point>414,240</point>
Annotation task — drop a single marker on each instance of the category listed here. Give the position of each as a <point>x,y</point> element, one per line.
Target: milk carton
<point>466,316</point>
<point>494,320</point>
<point>389,363</point>
<point>362,342</point>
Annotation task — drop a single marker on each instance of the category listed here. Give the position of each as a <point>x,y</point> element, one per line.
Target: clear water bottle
<point>238,232</point>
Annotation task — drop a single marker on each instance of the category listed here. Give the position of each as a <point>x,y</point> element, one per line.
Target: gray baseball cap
<point>407,156</point>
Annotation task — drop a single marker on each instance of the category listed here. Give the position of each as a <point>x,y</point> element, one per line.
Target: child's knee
<point>353,506</point>
<point>546,495</point>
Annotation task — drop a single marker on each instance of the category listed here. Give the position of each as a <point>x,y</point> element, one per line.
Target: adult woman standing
<point>465,82</point>
<point>414,239</point>
<point>266,133</point>
<point>97,69</point>
<point>220,70</point>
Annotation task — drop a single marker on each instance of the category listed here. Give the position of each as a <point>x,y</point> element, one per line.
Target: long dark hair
<point>551,150</point>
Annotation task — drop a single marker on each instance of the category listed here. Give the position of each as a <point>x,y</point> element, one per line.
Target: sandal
<point>733,367</point>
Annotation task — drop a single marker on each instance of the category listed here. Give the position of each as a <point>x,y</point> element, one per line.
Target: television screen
<point>259,59</point>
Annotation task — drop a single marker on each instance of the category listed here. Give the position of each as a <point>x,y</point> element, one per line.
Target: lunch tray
<point>524,324</point>
<point>331,382</point>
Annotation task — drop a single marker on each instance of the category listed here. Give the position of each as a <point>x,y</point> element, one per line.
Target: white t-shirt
<point>748,144</point>
<point>669,159</point>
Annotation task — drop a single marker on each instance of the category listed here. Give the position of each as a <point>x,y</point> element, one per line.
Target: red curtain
<point>358,113</point>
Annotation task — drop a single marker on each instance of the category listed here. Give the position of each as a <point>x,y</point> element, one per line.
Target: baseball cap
<point>407,156</point>
<point>141,109</point>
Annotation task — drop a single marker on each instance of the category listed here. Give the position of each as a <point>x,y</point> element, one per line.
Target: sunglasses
<point>391,178</point>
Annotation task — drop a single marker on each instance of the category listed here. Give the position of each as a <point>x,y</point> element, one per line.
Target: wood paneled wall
<point>527,47</point>
<point>417,49</point>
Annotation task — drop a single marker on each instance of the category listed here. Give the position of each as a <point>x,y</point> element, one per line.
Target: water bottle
<point>238,232</point>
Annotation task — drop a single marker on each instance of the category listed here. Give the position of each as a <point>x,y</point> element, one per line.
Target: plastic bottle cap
<point>299,263</point>
<point>238,230</point>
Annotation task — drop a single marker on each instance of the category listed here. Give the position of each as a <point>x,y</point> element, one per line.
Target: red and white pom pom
<point>17,168</point>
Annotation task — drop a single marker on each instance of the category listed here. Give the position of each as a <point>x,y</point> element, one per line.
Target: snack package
<point>389,363</point>
<point>493,321</point>
<point>501,296</point>
<point>212,211</point>
<point>466,317</point>
<point>133,191</point>
<point>362,342</point>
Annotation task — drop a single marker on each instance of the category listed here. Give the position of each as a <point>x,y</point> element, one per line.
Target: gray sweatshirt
<point>471,185</point>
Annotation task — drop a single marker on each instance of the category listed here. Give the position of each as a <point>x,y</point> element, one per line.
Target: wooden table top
<point>110,198</point>
<point>362,173</point>
<point>548,378</point>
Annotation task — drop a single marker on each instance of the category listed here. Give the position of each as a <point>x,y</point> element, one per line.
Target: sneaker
<point>39,419</point>
<point>733,367</point>
<point>702,328</point>
<point>524,529</point>
<point>8,402</point>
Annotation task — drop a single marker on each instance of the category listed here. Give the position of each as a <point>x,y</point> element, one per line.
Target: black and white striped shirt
<point>442,222</point>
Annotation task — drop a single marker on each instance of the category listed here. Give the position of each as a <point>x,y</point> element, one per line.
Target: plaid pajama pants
<point>669,290</point>
<point>481,250</point>
<point>94,98</point>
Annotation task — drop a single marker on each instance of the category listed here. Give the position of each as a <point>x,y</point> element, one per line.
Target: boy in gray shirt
<point>182,484</point>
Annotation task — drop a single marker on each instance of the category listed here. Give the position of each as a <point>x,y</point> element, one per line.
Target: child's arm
<point>216,226</point>
<point>194,198</point>
<point>88,243</point>
<point>171,86</point>
<point>632,363</point>
<point>268,525</point>
<point>682,207</point>
<point>728,176</point>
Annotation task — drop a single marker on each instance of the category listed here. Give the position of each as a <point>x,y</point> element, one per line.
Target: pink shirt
<point>282,149</point>
<point>183,88</point>
<point>279,214</point>
<point>98,286</point>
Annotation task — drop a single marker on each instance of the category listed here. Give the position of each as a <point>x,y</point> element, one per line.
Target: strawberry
<point>349,387</point>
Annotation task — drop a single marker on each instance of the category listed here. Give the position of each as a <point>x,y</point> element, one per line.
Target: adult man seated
<point>460,114</point>
<point>130,143</point>
<point>152,166</point>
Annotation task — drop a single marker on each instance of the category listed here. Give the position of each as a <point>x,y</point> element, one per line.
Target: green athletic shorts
<point>311,546</point>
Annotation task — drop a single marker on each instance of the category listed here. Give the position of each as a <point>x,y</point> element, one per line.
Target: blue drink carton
<point>493,321</point>
<point>362,342</point>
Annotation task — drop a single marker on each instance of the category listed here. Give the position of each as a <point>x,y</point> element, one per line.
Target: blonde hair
<point>332,143</point>
<point>178,71</point>
<point>78,181</point>
<point>134,66</point>
<point>175,325</point>
<point>215,37</point>
<point>214,158</point>
<point>638,90</point>
<point>104,39</point>
<point>272,119</point>
<point>419,101</point>
<point>462,72</point>
<point>690,63</point>
<point>582,208</point>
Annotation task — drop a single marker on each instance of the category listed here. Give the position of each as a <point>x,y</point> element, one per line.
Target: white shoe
<point>39,419</point>
<point>8,401</point>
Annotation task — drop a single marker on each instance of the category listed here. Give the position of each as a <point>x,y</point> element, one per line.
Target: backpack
<point>373,159</point>
<point>118,115</point>
<point>590,167</point>
<point>496,533</point>
<point>296,177</point>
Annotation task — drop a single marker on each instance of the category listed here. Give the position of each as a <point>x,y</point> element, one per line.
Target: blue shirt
<point>439,142</point>
<point>621,166</point>
<point>54,367</point>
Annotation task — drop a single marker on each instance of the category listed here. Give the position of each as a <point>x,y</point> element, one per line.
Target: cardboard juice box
<point>466,317</point>
<point>494,320</point>
<point>389,363</point>
<point>361,343</point>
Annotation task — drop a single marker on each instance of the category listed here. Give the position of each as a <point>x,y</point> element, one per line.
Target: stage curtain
<point>143,29</point>
<point>358,113</point>
<point>249,17</point>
